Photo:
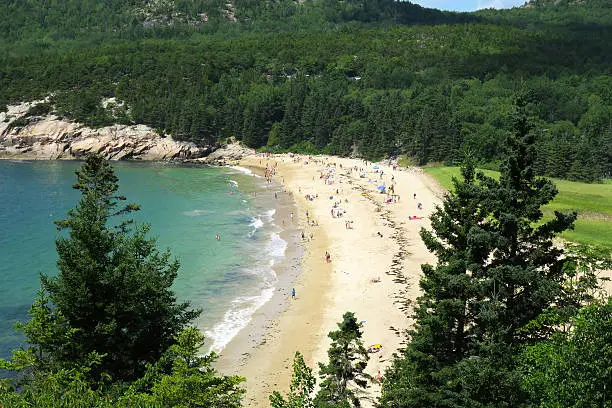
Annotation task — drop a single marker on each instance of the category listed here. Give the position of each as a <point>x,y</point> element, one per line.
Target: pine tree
<point>497,270</point>
<point>525,273</point>
<point>347,360</point>
<point>113,285</point>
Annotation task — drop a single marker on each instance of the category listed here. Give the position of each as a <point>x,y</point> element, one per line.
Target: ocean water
<point>186,206</point>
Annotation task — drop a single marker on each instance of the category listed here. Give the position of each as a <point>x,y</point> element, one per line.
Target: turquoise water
<point>186,207</point>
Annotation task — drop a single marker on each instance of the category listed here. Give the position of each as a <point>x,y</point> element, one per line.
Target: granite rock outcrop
<point>49,138</point>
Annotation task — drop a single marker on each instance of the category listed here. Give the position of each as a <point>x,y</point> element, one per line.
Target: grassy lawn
<point>592,201</point>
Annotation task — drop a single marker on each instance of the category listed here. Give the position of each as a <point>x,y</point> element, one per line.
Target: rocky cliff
<point>229,154</point>
<point>48,138</point>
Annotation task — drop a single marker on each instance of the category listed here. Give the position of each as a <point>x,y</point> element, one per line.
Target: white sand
<point>325,291</point>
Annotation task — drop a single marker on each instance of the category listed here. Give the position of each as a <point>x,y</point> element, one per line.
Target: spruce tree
<point>347,360</point>
<point>497,270</point>
<point>113,285</point>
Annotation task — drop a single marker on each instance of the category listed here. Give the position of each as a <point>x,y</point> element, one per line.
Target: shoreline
<point>374,269</point>
<point>374,272</point>
<point>257,345</point>
<point>259,255</point>
<point>253,335</point>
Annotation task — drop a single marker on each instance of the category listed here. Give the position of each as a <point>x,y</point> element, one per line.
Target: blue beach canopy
<point>382,188</point>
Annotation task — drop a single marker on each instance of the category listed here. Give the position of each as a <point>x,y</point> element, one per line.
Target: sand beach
<point>373,270</point>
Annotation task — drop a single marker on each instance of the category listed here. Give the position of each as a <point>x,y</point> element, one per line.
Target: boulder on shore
<point>226,155</point>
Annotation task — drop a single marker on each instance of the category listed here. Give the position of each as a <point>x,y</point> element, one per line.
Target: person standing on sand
<point>293,293</point>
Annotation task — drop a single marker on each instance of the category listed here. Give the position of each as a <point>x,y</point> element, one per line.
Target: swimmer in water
<point>217,237</point>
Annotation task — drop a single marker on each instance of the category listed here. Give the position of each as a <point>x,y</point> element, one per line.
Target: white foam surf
<point>236,318</point>
<point>277,246</point>
<point>245,171</point>
<point>259,221</point>
<point>255,224</point>
<point>243,308</point>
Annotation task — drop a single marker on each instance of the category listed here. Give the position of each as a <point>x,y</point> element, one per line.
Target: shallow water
<point>186,207</point>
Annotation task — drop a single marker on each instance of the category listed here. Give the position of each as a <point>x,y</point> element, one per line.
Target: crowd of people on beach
<point>332,175</point>
<point>327,192</point>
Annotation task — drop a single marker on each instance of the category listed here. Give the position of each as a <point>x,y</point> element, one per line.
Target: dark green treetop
<point>497,270</point>
<point>347,360</point>
<point>113,285</point>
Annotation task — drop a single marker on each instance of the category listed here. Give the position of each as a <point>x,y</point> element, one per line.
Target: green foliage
<point>302,386</point>
<point>58,389</point>
<point>39,109</point>
<point>181,378</point>
<point>497,270</point>
<point>573,368</point>
<point>19,122</point>
<point>42,376</point>
<point>585,265</point>
<point>583,286</point>
<point>49,335</point>
<point>349,78</point>
<point>347,360</point>
<point>304,147</point>
<point>113,286</point>
<point>191,382</point>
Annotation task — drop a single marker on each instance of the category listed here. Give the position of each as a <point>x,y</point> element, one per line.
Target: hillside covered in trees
<point>505,317</point>
<point>372,78</point>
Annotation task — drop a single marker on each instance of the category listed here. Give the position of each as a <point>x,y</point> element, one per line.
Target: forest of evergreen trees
<point>371,78</point>
<point>505,318</point>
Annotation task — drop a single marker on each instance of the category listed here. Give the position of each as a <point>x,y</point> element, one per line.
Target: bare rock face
<point>228,154</point>
<point>49,138</point>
